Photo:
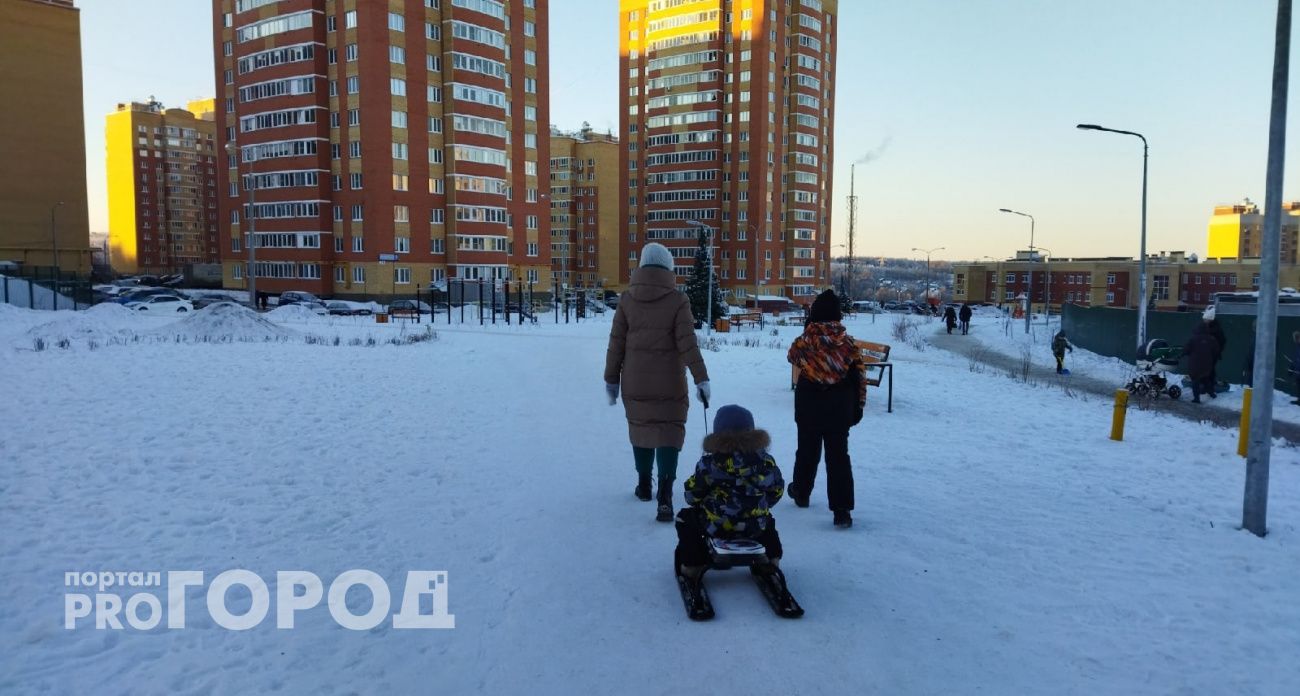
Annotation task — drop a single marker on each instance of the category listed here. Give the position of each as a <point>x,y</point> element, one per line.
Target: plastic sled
<point>730,553</point>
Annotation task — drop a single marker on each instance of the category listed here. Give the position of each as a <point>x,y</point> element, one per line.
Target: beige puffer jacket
<point>651,346</point>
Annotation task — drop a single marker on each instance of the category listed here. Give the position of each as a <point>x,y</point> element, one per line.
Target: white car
<point>162,304</point>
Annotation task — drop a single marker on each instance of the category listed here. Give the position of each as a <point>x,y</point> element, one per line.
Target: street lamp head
<point>1089,126</point>
<point>1005,210</point>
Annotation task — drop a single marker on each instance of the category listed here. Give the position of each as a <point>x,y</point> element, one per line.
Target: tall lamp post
<point>1029,292</point>
<point>233,149</point>
<point>1047,288</point>
<point>1142,259</point>
<point>708,255</point>
<point>54,237</point>
<point>997,277</point>
<point>927,253</point>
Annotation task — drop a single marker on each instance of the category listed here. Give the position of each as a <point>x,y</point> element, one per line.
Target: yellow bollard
<point>1243,435</point>
<point>1117,420</point>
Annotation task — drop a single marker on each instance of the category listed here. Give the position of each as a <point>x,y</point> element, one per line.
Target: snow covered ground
<point>1002,543</point>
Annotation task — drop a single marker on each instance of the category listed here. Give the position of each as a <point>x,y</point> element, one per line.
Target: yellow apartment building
<point>43,218</point>
<point>162,195</point>
<point>584,201</point>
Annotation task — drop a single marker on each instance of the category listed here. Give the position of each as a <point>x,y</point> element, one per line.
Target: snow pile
<point>224,323</point>
<point>292,313</point>
<point>114,312</point>
<point>69,328</point>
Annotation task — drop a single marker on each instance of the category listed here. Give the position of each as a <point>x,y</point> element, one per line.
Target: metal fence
<point>44,287</point>
<point>502,302</point>
<point>1112,332</point>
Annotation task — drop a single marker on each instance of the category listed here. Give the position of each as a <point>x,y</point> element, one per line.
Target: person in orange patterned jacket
<point>829,398</point>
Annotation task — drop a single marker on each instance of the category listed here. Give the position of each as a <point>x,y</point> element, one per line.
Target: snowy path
<point>1002,544</point>
<point>1207,411</point>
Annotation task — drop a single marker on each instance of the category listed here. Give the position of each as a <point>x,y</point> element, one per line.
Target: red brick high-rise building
<point>727,126</point>
<point>385,145</point>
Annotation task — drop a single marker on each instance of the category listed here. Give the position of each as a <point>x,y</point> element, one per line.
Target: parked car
<point>316,307</point>
<point>341,308</point>
<point>409,307</point>
<point>207,299</point>
<point>141,294</point>
<point>289,297</point>
<point>161,304</point>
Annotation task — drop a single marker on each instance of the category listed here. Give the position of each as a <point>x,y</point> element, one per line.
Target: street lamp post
<point>927,253</point>
<point>54,237</point>
<point>1047,288</point>
<point>1142,260</point>
<point>233,148</point>
<point>1029,291</point>
<point>708,255</point>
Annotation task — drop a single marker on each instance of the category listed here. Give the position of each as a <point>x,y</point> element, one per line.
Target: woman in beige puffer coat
<point>651,345</point>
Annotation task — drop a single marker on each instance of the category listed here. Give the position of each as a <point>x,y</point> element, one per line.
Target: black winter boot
<point>665,513</point>
<point>643,487</point>
<point>843,519</point>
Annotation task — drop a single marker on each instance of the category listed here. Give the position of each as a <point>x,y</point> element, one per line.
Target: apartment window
<point>402,245</point>
<point>435,124</point>
<point>350,52</point>
<point>396,22</point>
<point>399,119</point>
<point>354,117</point>
<point>354,84</point>
<point>399,151</point>
<point>396,54</point>
<point>397,87</point>
<point>358,244</point>
<point>354,180</point>
<point>433,63</point>
<point>340,273</point>
<point>350,19</point>
<point>401,213</point>
<point>400,182</point>
<point>359,274</point>
<point>434,94</point>
<point>354,149</point>
<point>358,212</point>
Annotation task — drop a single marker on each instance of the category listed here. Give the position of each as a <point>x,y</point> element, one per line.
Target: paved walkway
<point>1183,408</point>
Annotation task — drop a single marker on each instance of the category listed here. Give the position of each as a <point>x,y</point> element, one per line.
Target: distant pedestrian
<point>1216,330</point>
<point>1202,351</point>
<point>950,318</point>
<point>1060,344</point>
<point>964,316</point>
<point>651,346</point>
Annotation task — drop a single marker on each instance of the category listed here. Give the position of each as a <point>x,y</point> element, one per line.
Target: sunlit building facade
<point>43,215</point>
<point>727,122</point>
<point>384,145</point>
<point>586,223</point>
<point>162,187</point>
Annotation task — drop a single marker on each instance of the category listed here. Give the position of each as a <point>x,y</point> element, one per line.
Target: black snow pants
<point>839,470</point>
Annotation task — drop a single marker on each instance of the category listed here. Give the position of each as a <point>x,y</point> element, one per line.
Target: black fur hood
<point>737,441</point>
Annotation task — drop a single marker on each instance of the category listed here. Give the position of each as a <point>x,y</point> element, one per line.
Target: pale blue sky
<point>978,100</point>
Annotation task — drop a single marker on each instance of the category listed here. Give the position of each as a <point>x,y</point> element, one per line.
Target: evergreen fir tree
<point>697,286</point>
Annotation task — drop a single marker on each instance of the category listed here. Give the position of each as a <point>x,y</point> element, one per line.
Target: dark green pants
<point>646,457</point>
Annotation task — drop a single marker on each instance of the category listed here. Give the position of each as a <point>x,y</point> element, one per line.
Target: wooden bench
<point>755,318</point>
<point>876,358</point>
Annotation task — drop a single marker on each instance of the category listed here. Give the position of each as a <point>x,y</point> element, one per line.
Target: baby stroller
<point>1155,359</point>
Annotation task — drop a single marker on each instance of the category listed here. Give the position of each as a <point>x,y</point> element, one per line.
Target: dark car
<point>296,297</point>
<point>207,299</point>
<point>339,308</point>
<point>409,307</point>
<point>144,294</point>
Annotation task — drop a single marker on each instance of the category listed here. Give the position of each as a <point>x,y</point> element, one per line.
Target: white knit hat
<point>656,254</point>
